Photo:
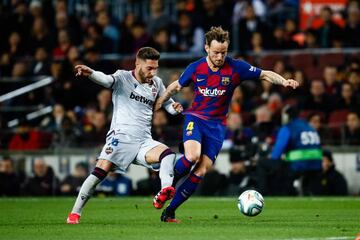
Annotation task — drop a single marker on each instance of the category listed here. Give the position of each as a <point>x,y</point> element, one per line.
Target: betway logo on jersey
<point>141,99</point>
<point>211,92</point>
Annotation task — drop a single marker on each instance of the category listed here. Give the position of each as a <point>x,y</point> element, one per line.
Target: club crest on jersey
<point>109,150</point>
<point>154,91</point>
<point>188,133</point>
<point>225,80</point>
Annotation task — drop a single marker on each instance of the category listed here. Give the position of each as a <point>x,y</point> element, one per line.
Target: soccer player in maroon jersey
<point>214,77</point>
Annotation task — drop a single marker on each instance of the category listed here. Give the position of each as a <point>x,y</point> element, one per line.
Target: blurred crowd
<point>76,30</point>
<point>44,182</point>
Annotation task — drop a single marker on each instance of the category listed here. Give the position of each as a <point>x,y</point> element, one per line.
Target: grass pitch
<point>202,218</point>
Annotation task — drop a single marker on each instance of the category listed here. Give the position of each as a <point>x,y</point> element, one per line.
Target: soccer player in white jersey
<point>129,138</point>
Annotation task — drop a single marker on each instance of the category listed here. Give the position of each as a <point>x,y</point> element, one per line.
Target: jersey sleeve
<point>117,79</point>
<point>246,71</point>
<point>281,143</point>
<point>186,76</point>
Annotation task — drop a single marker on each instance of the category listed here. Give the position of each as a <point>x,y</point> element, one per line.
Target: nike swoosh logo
<point>200,79</point>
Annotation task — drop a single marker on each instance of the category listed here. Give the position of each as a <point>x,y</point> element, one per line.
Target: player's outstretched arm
<point>172,89</point>
<point>95,76</point>
<point>275,78</point>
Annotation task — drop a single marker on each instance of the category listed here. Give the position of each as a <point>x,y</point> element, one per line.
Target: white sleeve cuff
<point>170,109</point>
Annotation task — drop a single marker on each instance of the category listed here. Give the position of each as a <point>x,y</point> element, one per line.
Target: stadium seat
<point>247,118</point>
<point>128,63</point>
<point>268,62</point>
<point>304,114</point>
<point>291,101</point>
<point>251,60</point>
<point>301,61</point>
<point>312,73</point>
<point>331,59</point>
<point>338,118</point>
<point>356,55</point>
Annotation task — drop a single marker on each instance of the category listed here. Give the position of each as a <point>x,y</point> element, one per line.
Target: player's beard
<point>143,78</point>
<point>216,65</point>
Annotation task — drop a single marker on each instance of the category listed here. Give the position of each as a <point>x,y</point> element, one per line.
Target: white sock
<point>166,173</point>
<point>86,191</point>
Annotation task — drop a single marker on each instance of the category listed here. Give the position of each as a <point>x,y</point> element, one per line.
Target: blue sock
<point>182,167</point>
<point>185,190</point>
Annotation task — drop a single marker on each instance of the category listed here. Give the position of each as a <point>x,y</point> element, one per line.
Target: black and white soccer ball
<point>250,203</point>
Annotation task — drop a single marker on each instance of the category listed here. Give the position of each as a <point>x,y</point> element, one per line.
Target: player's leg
<point>119,150</point>
<point>187,188</point>
<point>184,164</point>
<point>192,148</point>
<point>166,157</point>
<point>87,189</point>
<point>212,139</point>
<point>163,155</point>
<point>211,148</point>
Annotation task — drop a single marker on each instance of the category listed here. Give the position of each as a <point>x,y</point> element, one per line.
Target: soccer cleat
<point>73,218</point>
<point>165,194</point>
<point>168,215</point>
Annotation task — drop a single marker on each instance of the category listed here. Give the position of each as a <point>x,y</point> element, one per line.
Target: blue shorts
<point>209,134</point>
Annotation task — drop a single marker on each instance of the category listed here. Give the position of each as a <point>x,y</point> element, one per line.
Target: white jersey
<point>133,104</point>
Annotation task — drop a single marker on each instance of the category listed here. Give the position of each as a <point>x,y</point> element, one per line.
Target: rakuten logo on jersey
<point>141,99</point>
<point>211,92</point>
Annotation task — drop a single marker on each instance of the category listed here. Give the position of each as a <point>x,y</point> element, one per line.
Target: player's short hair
<point>328,154</point>
<point>148,53</point>
<point>292,111</point>
<point>218,34</point>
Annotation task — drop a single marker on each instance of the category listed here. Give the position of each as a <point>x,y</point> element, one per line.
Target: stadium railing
<point>26,112</point>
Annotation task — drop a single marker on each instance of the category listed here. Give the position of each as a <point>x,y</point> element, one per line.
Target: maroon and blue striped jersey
<point>214,90</point>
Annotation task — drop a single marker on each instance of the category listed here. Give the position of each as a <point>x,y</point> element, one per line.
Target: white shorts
<point>122,150</point>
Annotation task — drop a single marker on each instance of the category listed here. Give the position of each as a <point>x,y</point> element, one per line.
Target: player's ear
<point>207,48</point>
<point>137,62</point>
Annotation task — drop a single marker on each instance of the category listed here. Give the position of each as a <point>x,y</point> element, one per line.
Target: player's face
<point>147,69</point>
<point>217,52</point>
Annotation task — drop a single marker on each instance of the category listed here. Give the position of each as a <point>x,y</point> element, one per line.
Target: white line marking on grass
<point>315,199</point>
<point>321,238</point>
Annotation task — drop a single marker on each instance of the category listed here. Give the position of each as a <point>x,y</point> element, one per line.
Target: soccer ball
<point>250,203</point>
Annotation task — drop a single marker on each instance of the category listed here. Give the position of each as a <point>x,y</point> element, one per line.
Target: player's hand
<point>177,106</point>
<point>82,70</point>
<point>290,82</point>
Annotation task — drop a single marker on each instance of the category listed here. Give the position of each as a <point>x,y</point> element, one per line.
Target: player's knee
<point>203,167</point>
<point>200,172</point>
<point>192,157</point>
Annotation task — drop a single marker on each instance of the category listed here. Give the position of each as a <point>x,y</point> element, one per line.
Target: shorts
<point>122,150</point>
<point>209,134</point>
